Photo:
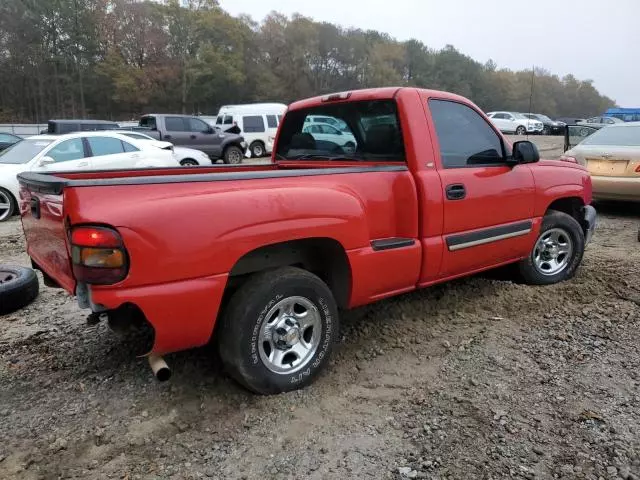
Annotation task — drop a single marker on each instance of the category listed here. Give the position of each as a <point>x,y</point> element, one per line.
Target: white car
<point>329,133</point>
<point>183,155</point>
<point>73,152</point>
<point>514,122</point>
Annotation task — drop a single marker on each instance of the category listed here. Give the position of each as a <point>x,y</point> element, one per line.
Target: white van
<point>258,124</point>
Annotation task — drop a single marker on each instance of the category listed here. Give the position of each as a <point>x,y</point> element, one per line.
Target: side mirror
<point>209,130</point>
<point>525,152</point>
<point>44,161</point>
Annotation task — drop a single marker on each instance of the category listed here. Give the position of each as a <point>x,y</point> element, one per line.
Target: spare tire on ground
<point>18,287</point>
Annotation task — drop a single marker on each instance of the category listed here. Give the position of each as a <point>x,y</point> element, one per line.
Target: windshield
<point>627,136</point>
<point>23,151</point>
<point>370,131</point>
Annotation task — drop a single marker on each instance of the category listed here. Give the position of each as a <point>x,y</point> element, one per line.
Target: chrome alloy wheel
<point>553,252</point>
<point>289,335</point>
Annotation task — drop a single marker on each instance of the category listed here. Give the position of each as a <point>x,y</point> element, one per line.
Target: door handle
<point>167,137</point>
<point>193,137</point>
<point>83,164</point>
<point>455,191</point>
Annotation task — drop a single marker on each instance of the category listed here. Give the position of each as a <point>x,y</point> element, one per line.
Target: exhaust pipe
<point>160,368</point>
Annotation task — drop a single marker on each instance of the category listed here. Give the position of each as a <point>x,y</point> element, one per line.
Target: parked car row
<point>522,123</point>
<point>82,151</point>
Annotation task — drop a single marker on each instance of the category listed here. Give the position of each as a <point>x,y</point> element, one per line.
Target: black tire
<point>257,149</point>
<point>546,131</point>
<point>521,130</point>
<point>18,287</point>
<point>189,162</point>
<point>558,222</point>
<point>239,331</point>
<point>7,197</point>
<point>232,155</point>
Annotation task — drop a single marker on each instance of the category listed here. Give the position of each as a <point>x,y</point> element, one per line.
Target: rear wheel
<point>278,330</point>
<point>7,204</point>
<point>189,162</point>
<point>557,252</point>
<point>521,130</point>
<point>232,155</point>
<point>257,149</point>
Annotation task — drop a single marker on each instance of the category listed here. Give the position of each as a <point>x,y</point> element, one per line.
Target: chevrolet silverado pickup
<point>191,131</point>
<point>260,259</point>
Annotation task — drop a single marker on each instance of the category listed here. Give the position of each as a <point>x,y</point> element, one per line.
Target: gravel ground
<point>479,378</point>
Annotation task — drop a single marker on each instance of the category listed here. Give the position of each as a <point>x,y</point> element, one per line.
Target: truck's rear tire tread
<point>236,336</point>
<point>20,291</point>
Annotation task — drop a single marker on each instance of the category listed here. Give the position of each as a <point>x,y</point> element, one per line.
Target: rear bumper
<point>182,314</point>
<point>589,223</point>
<point>616,188</point>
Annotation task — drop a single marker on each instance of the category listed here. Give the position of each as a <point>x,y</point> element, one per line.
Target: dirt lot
<point>480,378</point>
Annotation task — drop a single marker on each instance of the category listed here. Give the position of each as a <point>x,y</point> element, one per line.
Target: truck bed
<point>55,183</point>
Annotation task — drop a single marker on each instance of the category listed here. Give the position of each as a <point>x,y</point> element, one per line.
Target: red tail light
<point>566,158</point>
<point>638,169</point>
<point>98,255</point>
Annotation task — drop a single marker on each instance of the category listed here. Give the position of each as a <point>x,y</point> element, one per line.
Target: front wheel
<point>278,330</point>
<point>189,162</point>
<point>557,252</point>
<point>232,155</point>
<point>521,130</point>
<point>546,131</point>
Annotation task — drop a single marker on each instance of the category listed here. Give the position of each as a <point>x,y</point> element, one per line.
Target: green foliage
<point>120,58</point>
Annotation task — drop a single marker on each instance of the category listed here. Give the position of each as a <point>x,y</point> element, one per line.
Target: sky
<point>595,40</point>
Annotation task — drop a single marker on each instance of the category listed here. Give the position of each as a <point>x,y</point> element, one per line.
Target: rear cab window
<point>148,122</point>
<point>366,130</point>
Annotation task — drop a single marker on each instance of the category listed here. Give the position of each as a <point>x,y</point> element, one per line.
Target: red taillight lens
<point>95,237</point>
<point>638,169</point>
<point>566,158</point>
<point>98,255</point>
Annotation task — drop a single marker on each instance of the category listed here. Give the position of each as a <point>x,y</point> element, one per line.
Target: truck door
<point>203,136</point>
<point>488,204</point>
<point>176,130</point>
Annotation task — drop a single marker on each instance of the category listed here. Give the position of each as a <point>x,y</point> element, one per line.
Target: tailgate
<point>43,221</point>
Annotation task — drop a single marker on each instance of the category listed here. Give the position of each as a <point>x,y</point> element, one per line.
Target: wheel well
<point>325,257</point>
<point>187,159</point>
<point>257,141</point>
<point>570,206</point>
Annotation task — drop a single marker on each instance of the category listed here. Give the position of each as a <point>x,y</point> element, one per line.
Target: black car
<point>551,127</point>
<point>6,140</point>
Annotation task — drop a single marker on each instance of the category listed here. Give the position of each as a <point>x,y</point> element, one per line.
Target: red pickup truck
<point>262,257</point>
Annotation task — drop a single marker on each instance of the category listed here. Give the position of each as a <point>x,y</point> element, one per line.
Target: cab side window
<point>175,124</point>
<point>197,125</point>
<point>479,145</point>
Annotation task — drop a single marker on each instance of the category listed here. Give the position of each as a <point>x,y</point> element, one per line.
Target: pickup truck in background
<point>191,131</point>
<point>261,258</point>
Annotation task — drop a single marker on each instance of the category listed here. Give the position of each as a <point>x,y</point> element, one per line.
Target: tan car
<point>612,156</point>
